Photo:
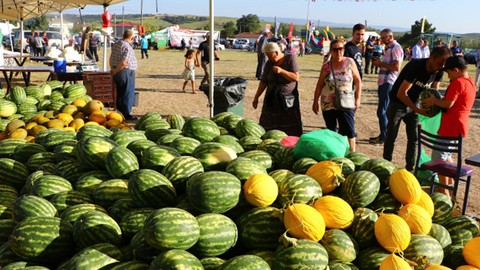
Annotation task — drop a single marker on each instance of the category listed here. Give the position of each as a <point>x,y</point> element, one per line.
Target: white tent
<point>175,35</point>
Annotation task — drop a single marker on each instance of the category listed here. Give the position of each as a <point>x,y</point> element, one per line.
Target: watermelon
<point>157,156</point>
<point>138,146</point>
<point>382,168</point>
<point>218,234</point>
<point>386,203</point>
<point>149,188</point>
<point>441,235</point>
<point>213,192</point>
<point>75,91</point>
<point>42,239</point>
<point>147,116</point>
<point>18,95</point>
<point>248,127</point>
<point>460,237</point>
<point>214,156</point>
<point>230,141</point>
<point>443,207</point>
<point>260,156</point>
<point>51,137</point>
<point>230,122</point>
<point>95,227</point>
<point>462,222</point>
<point>339,245</point>
<point>453,256</point>
<point>266,255</point>
<point>423,248</point>
<point>202,129</point>
<point>119,208</point>
<point>371,257</point>
<point>339,265</point>
<point>171,228</point>
<point>362,228</point>
<point>121,162</point>
<point>252,262</point>
<point>211,263</point>
<point>124,137</point>
<point>12,172</point>
<point>260,228</point>
<point>28,206</point>
<point>220,117</point>
<point>280,174</point>
<point>93,257</point>
<point>274,134</point>
<point>107,192</point>
<point>131,265</point>
<point>7,255</point>
<point>92,151</point>
<point>180,169</point>
<point>432,110</point>
<point>306,254</point>
<point>155,124</point>
<point>38,159</point>
<point>64,150</point>
<point>185,145</point>
<point>271,146</point>
<point>88,181</point>
<point>7,146</point>
<point>249,143</point>
<point>92,130</point>
<point>8,194</point>
<point>141,250</point>
<point>176,121</point>
<point>243,168</point>
<point>70,169</point>
<point>48,185</point>
<point>176,259</point>
<point>283,158</point>
<point>72,213</point>
<point>298,188</point>
<point>167,139</point>
<point>65,199</point>
<point>357,158</point>
<point>132,222</point>
<point>7,108</point>
<point>360,188</point>
<point>302,165</point>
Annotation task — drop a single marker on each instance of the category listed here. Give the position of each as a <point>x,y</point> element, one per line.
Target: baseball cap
<point>455,62</point>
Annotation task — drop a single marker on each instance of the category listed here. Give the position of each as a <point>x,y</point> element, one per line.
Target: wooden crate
<point>100,86</point>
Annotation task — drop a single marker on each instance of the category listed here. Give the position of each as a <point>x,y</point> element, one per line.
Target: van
<point>54,39</point>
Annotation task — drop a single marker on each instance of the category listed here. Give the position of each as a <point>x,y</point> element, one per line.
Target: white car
<point>54,40</point>
<point>241,44</point>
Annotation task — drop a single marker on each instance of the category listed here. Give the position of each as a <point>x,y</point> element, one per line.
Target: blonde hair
<point>271,47</point>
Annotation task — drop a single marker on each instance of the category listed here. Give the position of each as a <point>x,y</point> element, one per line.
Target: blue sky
<point>458,16</point>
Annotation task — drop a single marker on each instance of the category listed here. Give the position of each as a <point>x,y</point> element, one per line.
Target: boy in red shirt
<point>458,102</point>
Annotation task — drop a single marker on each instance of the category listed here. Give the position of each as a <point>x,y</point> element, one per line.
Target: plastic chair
<point>455,170</point>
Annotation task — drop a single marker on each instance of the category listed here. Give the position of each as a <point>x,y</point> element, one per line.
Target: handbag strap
<point>333,74</point>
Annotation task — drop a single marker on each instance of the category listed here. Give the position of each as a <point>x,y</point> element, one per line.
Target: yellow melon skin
<point>393,262</point>
<point>405,186</point>
<point>260,190</point>
<point>471,252</point>
<point>304,222</point>
<point>328,174</point>
<point>437,267</point>
<point>336,212</point>
<point>426,203</point>
<point>417,218</point>
<point>467,267</point>
<point>392,232</point>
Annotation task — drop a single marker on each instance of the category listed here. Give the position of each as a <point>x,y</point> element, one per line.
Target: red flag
<point>290,32</point>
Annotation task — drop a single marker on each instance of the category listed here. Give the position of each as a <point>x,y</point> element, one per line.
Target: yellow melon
<point>92,106</point>
<point>437,267</point>
<point>98,117</point>
<point>471,252</point>
<point>426,203</point>
<point>79,103</point>
<point>19,133</point>
<point>37,129</point>
<point>304,222</point>
<point>417,218</point>
<point>42,120</point>
<point>14,125</point>
<point>55,123</point>
<point>260,190</point>
<point>405,187</point>
<point>65,117</point>
<point>30,139</point>
<point>125,128</point>
<point>80,115</point>
<point>50,114</point>
<point>336,212</point>
<point>92,123</point>
<point>69,129</point>
<point>392,232</point>
<point>393,262</point>
<point>111,123</point>
<point>467,267</point>
<point>327,173</point>
<point>115,115</point>
<point>29,125</point>
<point>77,124</point>
<point>70,109</point>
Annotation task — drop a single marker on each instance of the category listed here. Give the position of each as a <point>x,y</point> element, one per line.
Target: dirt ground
<point>159,85</point>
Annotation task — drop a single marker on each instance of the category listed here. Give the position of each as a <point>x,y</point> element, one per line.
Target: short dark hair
<point>387,31</point>
<point>440,51</point>
<point>358,26</point>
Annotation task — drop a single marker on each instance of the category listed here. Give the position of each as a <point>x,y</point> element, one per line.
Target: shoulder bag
<point>343,100</point>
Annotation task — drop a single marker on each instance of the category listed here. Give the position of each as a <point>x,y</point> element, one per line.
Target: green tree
<point>412,37</point>
<point>38,23</point>
<point>249,23</point>
<point>283,29</point>
<point>228,30</point>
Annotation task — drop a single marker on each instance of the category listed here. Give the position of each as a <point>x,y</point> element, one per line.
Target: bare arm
<point>196,58</point>
<point>403,96</point>
<point>260,90</point>
<point>289,75</point>
<point>358,86</point>
<point>395,66</point>
<point>318,90</point>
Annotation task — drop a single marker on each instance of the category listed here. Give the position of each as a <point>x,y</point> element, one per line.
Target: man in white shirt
<point>425,49</point>
<point>417,50</point>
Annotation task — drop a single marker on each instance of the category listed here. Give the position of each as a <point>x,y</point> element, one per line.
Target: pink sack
<point>289,141</point>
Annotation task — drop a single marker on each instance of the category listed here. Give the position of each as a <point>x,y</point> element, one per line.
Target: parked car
<point>54,39</point>
<point>241,43</point>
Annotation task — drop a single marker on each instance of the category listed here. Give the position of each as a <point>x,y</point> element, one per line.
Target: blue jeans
<point>396,113</point>
<point>125,83</point>
<point>383,101</point>
<point>342,122</point>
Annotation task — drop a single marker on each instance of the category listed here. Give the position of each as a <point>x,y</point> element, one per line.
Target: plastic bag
<point>431,125</point>
<point>321,145</point>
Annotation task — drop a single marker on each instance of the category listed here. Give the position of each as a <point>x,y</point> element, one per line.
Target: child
<point>458,102</point>
<point>189,72</point>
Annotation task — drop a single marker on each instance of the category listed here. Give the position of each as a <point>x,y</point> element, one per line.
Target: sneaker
<point>376,140</point>
<point>131,118</point>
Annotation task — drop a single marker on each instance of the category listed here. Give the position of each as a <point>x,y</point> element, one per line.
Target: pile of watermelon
<point>169,195</point>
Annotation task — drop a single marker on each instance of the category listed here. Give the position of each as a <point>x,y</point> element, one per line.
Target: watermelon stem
<point>286,240</point>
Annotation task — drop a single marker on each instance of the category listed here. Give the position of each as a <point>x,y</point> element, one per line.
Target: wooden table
<point>26,72</point>
<point>19,58</point>
<point>473,160</point>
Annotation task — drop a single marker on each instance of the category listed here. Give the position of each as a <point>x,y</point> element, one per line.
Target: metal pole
<point>105,40</point>
<point>308,23</point>
<point>141,12</point>
<point>115,24</point>
<point>212,58</point>
<point>62,32</point>
<point>123,19</point>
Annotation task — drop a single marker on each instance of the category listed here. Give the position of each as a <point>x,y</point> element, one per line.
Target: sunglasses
<point>337,49</point>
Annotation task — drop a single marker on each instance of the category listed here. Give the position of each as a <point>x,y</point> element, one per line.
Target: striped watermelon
<point>283,158</point>
<point>121,162</point>
<point>130,265</point>
<point>27,109</point>
<point>38,159</point>
<point>219,117</point>
<point>260,228</point>
<point>298,188</point>
<point>18,95</point>
<point>176,259</point>
<point>149,188</point>
<point>12,172</point>
<point>362,228</point>
<point>52,137</point>
<point>251,262</point>
<point>141,250</point>
<point>28,206</point>
<point>339,245</point>
<point>132,222</point>
<point>422,249</point>
<point>443,207</point>
<point>211,263</point>
<point>382,168</point>
<point>338,265</point>
<point>230,122</point>
<point>147,116</point>
<point>55,84</point>
<point>72,213</point>
<point>260,156</point>
<point>88,182</point>
<point>106,193</point>
<point>48,185</point>
<point>42,239</point>
<point>230,141</point>
<point>306,254</point>
<point>7,255</point>
<point>357,158</point>
<point>93,150</point>
<point>171,228</point>
<point>218,234</point>
<point>280,174</point>
<point>371,257</point>
<point>202,129</point>
<point>214,156</point>
<point>453,257</point>
<point>271,146</point>
<point>441,235</point>
<point>95,227</point>
<point>176,121</point>
<point>386,203</point>
<point>462,222</point>
<point>8,194</point>
<point>7,146</point>
<point>91,130</point>
<point>157,156</point>
<point>302,165</point>
<point>213,192</point>
<point>266,255</point>
<point>120,208</point>
<point>167,139</point>
<point>93,257</point>
<point>34,91</point>
<point>243,168</point>
<point>64,200</point>
<point>7,108</point>
<point>6,211</point>
<point>248,127</point>
<point>460,237</point>
<point>70,169</point>
<point>124,137</point>
<point>75,91</point>
<point>360,188</point>
<point>155,124</point>
<point>180,169</point>
<point>138,146</point>
<point>274,134</point>
<point>249,143</point>
<point>185,145</point>
<point>65,150</point>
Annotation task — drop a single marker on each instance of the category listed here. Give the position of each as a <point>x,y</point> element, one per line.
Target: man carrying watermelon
<point>458,102</point>
<point>416,76</point>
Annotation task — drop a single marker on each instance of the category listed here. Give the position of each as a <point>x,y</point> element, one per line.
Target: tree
<point>229,30</point>
<point>249,23</point>
<point>411,38</point>
<point>38,23</point>
<point>283,29</point>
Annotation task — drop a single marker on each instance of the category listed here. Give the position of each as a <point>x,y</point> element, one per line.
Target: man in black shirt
<point>204,50</point>
<point>352,48</point>
<point>416,76</point>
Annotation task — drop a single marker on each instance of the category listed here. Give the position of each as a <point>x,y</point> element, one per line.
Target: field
<point>160,87</point>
